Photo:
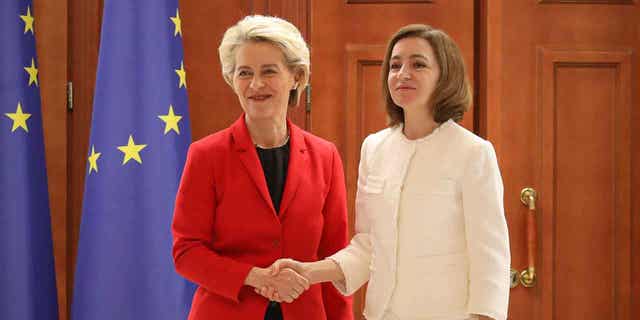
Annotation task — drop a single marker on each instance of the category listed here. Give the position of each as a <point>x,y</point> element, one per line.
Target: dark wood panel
<point>586,179</point>
<point>514,121</point>
<point>364,114</point>
<point>51,42</point>
<point>298,13</point>
<point>212,103</point>
<point>584,193</point>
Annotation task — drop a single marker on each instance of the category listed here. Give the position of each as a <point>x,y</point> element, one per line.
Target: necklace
<point>285,142</point>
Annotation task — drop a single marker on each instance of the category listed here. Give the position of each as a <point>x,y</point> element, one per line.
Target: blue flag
<point>139,138</point>
<point>27,276</point>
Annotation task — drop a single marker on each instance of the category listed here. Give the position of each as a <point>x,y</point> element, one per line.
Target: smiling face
<point>413,73</point>
<point>262,81</point>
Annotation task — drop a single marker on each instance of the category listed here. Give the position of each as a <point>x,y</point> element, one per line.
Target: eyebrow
<point>273,65</point>
<point>416,55</point>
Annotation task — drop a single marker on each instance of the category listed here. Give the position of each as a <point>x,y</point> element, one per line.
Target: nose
<point>404,72</point>
<point>256,83</point>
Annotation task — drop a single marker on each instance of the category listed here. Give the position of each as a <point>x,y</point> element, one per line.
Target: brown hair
<point>452,94</point>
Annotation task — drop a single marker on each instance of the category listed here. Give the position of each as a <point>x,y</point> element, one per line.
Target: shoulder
<point>474,151</point>
<point>376,139</point>
<point>315,142</point>
<point>465,141</point>
<point>318,146</point>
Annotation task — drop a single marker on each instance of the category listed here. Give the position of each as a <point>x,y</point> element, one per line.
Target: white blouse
<point>431,237</point>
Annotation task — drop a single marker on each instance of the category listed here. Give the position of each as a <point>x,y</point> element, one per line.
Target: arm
<point>193,230</point>
<point>348,269</point>
<point>487,235</point>
<point>354,260</point>
<point>335,237</point>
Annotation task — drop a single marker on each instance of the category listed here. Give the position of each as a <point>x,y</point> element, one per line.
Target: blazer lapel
<point>298,166</point>
<point>249,158</point>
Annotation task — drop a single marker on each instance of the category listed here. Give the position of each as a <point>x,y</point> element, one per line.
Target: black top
<point>275,162</point>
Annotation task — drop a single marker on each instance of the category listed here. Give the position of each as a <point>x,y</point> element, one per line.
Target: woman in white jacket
<point>431,238</point>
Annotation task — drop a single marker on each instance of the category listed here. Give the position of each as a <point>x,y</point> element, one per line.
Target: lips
<point>404,88</point>
<point>260,97</point>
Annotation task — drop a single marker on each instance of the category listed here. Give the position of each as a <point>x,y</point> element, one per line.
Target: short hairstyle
<point>277,31</point>
<point>452,94</point>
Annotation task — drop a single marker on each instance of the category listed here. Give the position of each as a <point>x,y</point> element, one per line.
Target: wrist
<point>323,271</point>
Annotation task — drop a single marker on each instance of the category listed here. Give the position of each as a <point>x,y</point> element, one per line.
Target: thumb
<point>274,268</point>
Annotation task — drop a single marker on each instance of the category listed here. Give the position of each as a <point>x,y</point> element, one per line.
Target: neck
<point>418,122</point>
<point>269,133</point>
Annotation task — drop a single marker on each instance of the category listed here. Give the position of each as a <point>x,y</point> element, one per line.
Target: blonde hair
<point>277,31</point>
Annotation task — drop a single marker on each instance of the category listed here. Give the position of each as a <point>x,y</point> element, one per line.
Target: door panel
<point>560,86</point>
<point>213,105</point>
<point>51,43</point>
<point>348,40</point>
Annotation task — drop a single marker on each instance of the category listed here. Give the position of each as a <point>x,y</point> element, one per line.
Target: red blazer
<point>224,223</point>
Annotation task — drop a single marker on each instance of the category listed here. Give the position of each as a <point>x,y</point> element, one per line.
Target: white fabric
<point>431,237</point>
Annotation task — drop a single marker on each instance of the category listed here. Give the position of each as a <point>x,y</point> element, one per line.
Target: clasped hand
<point>284,281</point>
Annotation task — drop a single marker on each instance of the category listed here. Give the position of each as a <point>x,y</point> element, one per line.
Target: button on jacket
<point>225,224</point>
<point>431,236</point>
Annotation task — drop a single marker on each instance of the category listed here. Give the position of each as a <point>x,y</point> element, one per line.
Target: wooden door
<point>348,42</point>
<point>213,105</point>
<point>560,83</point>
<point>51,45</point>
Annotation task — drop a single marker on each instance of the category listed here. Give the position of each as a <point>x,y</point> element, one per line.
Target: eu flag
<point>139,138</point>
<point>27,276</point>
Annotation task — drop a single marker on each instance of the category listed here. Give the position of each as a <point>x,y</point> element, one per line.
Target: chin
<point>261,113</point>
<point>403,102</point>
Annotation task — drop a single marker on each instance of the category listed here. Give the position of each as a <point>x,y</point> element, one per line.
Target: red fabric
<point>224,223</point>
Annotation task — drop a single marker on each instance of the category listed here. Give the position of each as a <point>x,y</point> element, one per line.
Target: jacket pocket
<point>374,184</point>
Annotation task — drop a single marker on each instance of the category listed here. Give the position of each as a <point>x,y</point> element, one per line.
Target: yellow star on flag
<point>131,151</point>
<point>178,24</point>
<point>183,76</point>
<point>19,119</point>
<point>33,72</point>
<point>93,159</point>
<point>171,120</point>
<point>28,21</point>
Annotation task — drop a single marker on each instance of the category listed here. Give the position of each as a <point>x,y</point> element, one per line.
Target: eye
<point>419,65</point>
<point>243,73</point>
<point>395,66</point>
<point>269,71</point>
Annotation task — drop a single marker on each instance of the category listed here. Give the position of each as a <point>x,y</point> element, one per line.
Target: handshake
<point>284,281</point>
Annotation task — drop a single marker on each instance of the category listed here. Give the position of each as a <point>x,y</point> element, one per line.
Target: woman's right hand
<point>284,286</point>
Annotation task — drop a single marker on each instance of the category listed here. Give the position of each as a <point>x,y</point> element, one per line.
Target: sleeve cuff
<point>355,272</point>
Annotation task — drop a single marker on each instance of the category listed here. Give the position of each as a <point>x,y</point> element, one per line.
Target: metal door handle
<point>528,196</point>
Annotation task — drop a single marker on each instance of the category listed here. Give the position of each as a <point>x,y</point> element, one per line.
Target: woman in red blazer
<point>261,190</point>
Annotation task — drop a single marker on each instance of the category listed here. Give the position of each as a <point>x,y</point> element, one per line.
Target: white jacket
<point>454,256</point>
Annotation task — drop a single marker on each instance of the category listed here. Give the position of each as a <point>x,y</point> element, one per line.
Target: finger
<point>268,291</point>
<point>274,268</point>
<point>278,265</point>
<point>304,282</point>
